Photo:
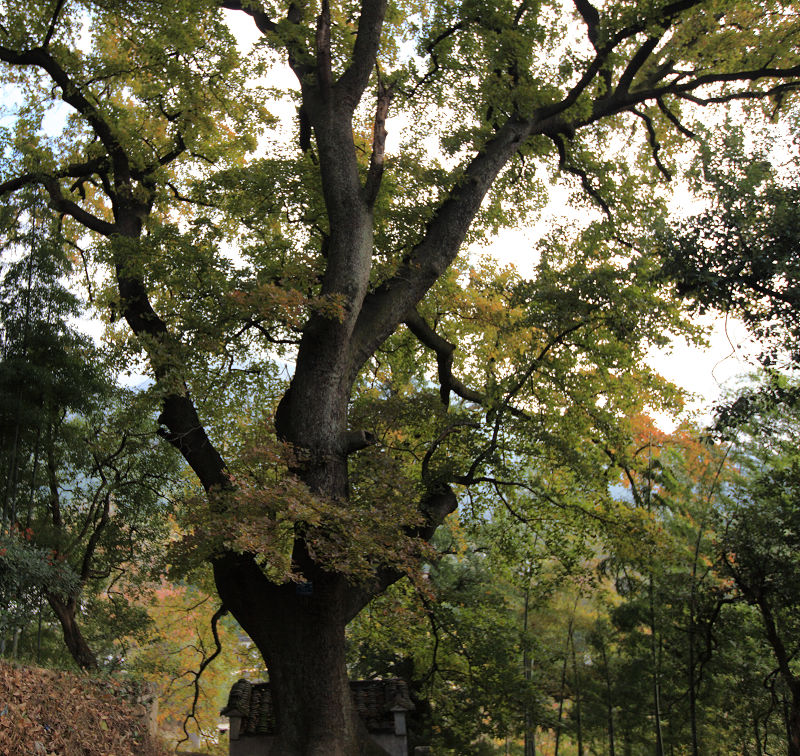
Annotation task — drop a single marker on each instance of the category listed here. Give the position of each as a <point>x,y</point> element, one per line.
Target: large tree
<point>348,259</point>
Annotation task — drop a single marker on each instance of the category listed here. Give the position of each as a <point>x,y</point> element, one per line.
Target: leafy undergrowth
<point>49,713</point>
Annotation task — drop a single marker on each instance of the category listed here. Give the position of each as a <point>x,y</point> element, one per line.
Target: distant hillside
<point>49,713</point>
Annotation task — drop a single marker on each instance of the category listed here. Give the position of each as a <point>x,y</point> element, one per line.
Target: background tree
<point>24,569</point>
<point>760,542</point>
<point>192,655</point>
<point>481,640</point>
<point>739,256</point>
<point>84,479</point>
<point>671,596</point>
<point>342,245</point>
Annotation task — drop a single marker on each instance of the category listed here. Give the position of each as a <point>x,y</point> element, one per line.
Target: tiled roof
<point>375,700</point>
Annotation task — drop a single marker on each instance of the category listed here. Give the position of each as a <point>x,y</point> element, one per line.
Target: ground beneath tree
<point>49,713</point>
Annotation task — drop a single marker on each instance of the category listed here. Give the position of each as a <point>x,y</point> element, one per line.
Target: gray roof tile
<point>375,700</point>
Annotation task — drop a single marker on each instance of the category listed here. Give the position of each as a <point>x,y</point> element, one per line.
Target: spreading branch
<point>565,165</point>
<point>444,360</point>
<point>428,260</point>
<point>67,207</point>
<point>686,89</point>
<point>430,48</point>
<point>354,80</point>
<point>496,414</point>
<point>776,92</point>
<point>168,157</point>
<point>639,58</point>
<point>51,183</point>
<point>590,17</point>
<point>297,54</point>
<point>53,23</point>
<point>437,442</point>
<point>357,440</point>
<point>673,119</point>
<point>72,94</point>
<point>446,230</point>
<point>85,170</point>
<point>653,141</point>
<point>264,23</point>
<point>183,427</point>
<point>58,202</point>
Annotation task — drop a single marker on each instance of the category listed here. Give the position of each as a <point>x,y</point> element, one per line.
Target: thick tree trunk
<point>309,679</point>
<point>299,630</point>
<point>67,611</point>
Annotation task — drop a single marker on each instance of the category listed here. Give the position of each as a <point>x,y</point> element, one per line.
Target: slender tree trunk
<point>560,706</point>
<point>32,491</point>
<point>39,630</point>
<point>792,682</point>
<point>793,723</point>
<point>563,689</point>
<point>757,735</point>
<point>530,730</point>
<point>693,661</point>
<point>66,611</point>
<point>563,682</point>
<point>656,663</point>
<point>609,701</point>
<point>578,722</point>
<point>9,493</point>
<point>692,683</point>
<point>627,747</point>
<point>692,675</point>
<point>9,499</point>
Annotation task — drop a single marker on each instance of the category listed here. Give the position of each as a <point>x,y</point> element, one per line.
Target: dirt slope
<point>49,713</point>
